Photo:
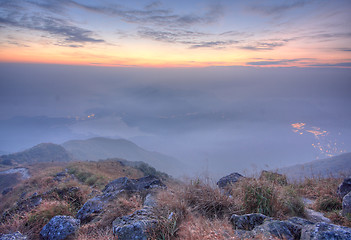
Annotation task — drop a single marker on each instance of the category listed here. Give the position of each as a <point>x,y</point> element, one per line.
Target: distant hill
<point>333,166</point>
<point>103,148</point>
<point>44,152</point>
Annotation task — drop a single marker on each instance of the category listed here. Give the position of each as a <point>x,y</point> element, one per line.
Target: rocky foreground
<point>154,219</point>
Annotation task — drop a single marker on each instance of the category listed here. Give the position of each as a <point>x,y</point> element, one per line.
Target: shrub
<point>274,177</point>
<point>87,177</point>
<point>328,203</point>
<point>259,199</point>
<point>292,203</point>
<point>267,197</point>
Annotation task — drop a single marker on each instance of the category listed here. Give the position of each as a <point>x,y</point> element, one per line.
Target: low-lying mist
<point>215,120</point>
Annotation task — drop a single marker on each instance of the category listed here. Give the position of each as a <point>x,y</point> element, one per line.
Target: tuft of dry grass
<point>96,232</point>
<point>122,206</point>
<point>202,228</point>
<point>31,223</point>
<point>267,197</point>
<point>314,188</point>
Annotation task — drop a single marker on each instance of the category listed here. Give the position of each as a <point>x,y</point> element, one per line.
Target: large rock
<point>346,205</point>
<point>60,227</point>
<point>248,221</point>
<point>325,231</point>
<point>315,216</point>
<point>230,179</point>
<point>90,209</point>
<point>136,226</point>
<point>272,229</point>
<point>13,236</point>
<point>278,229</point>
<point>345,187</point>
<point>113,190</point>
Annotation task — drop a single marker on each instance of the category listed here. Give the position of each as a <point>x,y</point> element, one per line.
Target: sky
<point>222,86</point>
<point>176,33</point>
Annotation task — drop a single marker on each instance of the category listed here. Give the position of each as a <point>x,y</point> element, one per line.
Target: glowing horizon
<point>177,34</point>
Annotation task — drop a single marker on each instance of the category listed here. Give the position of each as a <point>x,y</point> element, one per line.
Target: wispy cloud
<point>157,16</point>
<point>51,25</point>
<point>276,9</point>
<point>192,39</point>
<point>265,45</point>
<point>271,62</point>
<point>341,64</point>
<point>213,44</point>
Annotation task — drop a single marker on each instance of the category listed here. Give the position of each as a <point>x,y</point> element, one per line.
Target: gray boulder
<point>271,229</point>
<point>60,227</point>
<point>60,176</point>
<point>346,205</point>
<point>6,190</point>
<point>150,200</point>
<point>248,221</point>
<point>90,209</point>
<point>278,229</point>
<point>229,179</point>
<point>300,221</point>
<point>344,188</point>
<point>315,216</point>
<point>325,231</point>
<point>113,190</point>
<point>13,236</point>
<point>136,226</point>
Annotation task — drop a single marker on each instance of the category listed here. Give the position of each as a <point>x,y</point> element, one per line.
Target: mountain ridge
<point>43,152</point>
<point>333,166</point>
<point>103,148</point>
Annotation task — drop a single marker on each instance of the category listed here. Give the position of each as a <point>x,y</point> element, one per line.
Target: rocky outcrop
<point>346,205</point>
<point>141,223</point>
<point>13,236</point>
<point>90,209</point>
<point>251,226</point>
<point>344,188</point>
<point>59,228</point>
<point>279,229</point>
<point>325,231</point>
<point>138,225</point>
<point>6,190</point>
<point>229,179</point>
<point>315,216</point>
<point>247,221</point>
<point>60,176</point>
<point>113,190</point>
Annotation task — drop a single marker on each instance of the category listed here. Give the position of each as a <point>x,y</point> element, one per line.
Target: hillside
<point>103,148</point>
<point>44,152</point>
<point>109,199</point>
<point>333,166</point>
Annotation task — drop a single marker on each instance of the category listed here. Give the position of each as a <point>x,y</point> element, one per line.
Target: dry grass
<point>120,207</point>
<point>267,197</point>
<point>314,188</point>
<point>96,232</point>
<point>31,223</point>
<point>202,228</point>
<point>193,210</point>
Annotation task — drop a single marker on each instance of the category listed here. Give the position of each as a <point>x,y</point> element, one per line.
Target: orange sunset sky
<point>177,33</point>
